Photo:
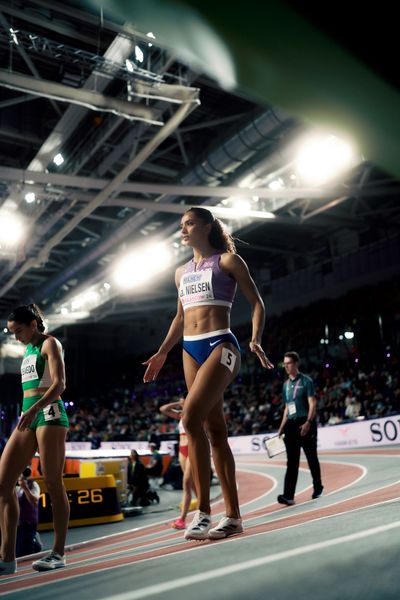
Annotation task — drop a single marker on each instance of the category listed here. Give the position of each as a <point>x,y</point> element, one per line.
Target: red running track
<point>158,540</point>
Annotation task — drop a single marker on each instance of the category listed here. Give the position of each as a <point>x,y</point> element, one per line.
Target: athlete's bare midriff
<point>203,319</point>
<point>35,392</point>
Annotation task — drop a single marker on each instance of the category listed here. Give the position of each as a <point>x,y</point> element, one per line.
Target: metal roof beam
<point>181,113</point>
<point>156,188</point>
<point>27,60</point>
<point>33,19</point>
<point>94,20</point>
<point>17,100</point>
<point>86,98</point>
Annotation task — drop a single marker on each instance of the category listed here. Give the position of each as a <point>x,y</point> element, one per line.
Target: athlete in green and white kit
<point>43,425</point>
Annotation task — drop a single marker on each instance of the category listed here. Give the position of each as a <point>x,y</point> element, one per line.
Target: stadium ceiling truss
<point>143,136</point>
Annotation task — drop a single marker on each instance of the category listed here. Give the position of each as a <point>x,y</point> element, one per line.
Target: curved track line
<point>251,564</point>
<point>386,452</point>
<point>385,493</point>
<point>253,482</point>
<point>247,496</point>
<point>28,581</point>
<point>334,482</point>
<point>57,576</point>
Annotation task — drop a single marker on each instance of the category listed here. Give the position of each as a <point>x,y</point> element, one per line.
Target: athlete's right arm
<point>175,332</point>
<point>172,409</point>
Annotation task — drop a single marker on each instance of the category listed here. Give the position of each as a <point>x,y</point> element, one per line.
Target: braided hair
<point>219,237</point>
<point>26,313</point>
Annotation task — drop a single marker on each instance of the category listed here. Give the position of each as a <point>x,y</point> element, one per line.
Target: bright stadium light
<point>130,67</point>
<point>91,297</point>
<point>138,267</point>
<point>139,54</point>
<point>77,302</point>
<point>151,35</point>
<point>13,33</point>
<point>11,229</point>
<point>240,206</point>
<point>12,349</point>
<point>349,335</point>
<point>322,158</point>
<point>58,159</point>
<point>30,197</point>
<point>276,184</point>
<point>87,299</point>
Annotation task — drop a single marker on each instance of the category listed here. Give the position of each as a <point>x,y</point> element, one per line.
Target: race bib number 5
<point>228,359</point>
<point>51,412</point>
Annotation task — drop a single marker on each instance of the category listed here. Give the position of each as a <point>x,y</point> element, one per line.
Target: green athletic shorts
<point>52,414</point>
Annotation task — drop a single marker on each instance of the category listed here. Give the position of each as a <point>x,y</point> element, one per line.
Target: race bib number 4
<point>51,412</point>
<point>28,368</point>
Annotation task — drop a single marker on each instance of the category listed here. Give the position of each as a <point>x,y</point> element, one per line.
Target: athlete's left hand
<point>27,418</point>
<point>257,349</point>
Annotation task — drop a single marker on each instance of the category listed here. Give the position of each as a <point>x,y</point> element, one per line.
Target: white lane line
<point>359,452</point>
<point>167,586</point>
<point>37,584</point>
<point>309,507</point>
<point>309,504</point>
<point>161,534</point>
<point>154,540</point>
<point>159,542</point>
<point>85,556</point>
<point>311,521</point>
<point>364,471</point>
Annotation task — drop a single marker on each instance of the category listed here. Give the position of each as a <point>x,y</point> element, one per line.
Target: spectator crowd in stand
<point>253,404</point>
<point>348,385</point>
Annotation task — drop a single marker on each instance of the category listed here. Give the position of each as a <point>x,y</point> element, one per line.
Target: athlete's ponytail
<point>26,313</point>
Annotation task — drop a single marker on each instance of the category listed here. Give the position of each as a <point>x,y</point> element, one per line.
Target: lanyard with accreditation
<point>291,404</point>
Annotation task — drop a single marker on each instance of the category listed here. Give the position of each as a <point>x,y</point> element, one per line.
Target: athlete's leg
<point>187,488</point>
<point>182,461</point>
<point>206,388</point>
<point>51,442</point>
<point>17,454</point>
<point>191,368</point>
<point>223,459</point>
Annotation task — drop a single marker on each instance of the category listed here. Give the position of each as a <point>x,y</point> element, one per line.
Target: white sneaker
<point>199,527</point>
<point>49,562</point>
<point>227,526</point>
<point>8,567</point>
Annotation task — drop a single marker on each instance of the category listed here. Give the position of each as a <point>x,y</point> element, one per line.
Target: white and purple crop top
<point>206,285</point>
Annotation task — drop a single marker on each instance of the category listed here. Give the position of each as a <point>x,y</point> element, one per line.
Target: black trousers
<point>294,442</point>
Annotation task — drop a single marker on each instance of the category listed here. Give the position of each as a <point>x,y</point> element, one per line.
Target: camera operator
<point>28,493</point>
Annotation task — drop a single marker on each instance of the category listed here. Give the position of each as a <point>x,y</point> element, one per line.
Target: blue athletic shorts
<point>200,346</point>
